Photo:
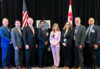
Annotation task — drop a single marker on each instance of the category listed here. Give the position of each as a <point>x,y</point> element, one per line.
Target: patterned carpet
<point>49,68</point>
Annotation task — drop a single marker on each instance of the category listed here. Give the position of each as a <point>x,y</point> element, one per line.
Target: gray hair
<point>78,18</point>
<point>4,19</point>
<point>30,18</point>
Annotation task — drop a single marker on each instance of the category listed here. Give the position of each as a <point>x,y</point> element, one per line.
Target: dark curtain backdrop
<point>54,10</point>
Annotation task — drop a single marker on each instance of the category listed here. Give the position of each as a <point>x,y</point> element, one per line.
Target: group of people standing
<point>30,38</point>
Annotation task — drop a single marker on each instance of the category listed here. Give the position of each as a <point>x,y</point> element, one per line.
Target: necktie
<point>7,29</point>
<point>32,29</point>
<point>44,31</point>
<point>76,29</point>
<point>20,32</point>
<point>88,34</point>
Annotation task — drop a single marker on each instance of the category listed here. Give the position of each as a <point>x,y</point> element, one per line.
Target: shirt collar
<point>18,28</point>
<point>91,26</point>
<point>5,26</point>
<point>43,28</point>
<point>77,26</point>
<point>31,26</point>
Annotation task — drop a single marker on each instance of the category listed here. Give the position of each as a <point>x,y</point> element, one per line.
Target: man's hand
<point>36,45</point>
<point>95,46</point>
<point>64,44</point>
<point>46,43</point>
<point>27,46</point>
<point>80,46</point>
<point>99,43</point>
<point>16,48</point>
<point>10,41</point>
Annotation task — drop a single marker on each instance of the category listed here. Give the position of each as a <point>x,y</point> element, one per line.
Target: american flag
<point>24,15</point>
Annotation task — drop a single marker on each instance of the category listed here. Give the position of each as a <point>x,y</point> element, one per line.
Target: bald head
<point>91,21</point>
<point>5,22</point>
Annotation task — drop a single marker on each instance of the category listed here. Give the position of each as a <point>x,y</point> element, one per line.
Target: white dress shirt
<point>90,29</point>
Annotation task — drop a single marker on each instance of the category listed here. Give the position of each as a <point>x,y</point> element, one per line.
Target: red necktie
<point>32,29</point>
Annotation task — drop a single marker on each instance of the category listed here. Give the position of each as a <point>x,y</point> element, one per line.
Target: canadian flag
<point>70,13</point>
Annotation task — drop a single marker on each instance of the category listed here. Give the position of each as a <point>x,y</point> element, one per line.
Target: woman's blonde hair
<point>65,25</point>
<point>55,24</point>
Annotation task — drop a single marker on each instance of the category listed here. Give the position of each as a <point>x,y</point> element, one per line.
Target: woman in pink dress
<point>55,36</point>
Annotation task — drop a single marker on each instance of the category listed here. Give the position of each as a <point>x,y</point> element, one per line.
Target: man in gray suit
<point>79,38</point>
<point>16,36</point>
<point>92,40</point>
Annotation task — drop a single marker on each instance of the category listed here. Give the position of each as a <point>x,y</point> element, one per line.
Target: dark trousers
<point>6,56</point>
<point>93,54</point>
<point>87,56</point>
<point>19,55</point>
<point>98,56</point>
<point>67,55</point>
<point>0,56</point>
<point>42,56</point>
<point>78,56</point>
<point>30,56</point>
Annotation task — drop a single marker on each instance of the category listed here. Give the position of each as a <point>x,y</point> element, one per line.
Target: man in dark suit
<point>42,44</point>
<point>16,36</point>
<point>92,40</point>
<point>5,33</point>
<point>98,54</point>
<point>79,38</point>
<point>29,37</point>
<point>0,52</point>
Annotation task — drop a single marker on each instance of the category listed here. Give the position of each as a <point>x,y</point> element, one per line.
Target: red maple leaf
<point>70,15</point>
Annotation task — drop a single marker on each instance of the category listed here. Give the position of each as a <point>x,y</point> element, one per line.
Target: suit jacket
<point>94,35</point>
<point>68,36</point>
<point>28,37</point>
<point>55,39</point>
<point>80,36</point>
<point>42,37</point>
<point>5,33</point>
<point>16,38</point>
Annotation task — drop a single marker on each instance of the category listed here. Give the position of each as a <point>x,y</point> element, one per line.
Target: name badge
<point>52,35</point>
<point>47,33</point>
<point>64,40</point>
<point>74,37</point>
